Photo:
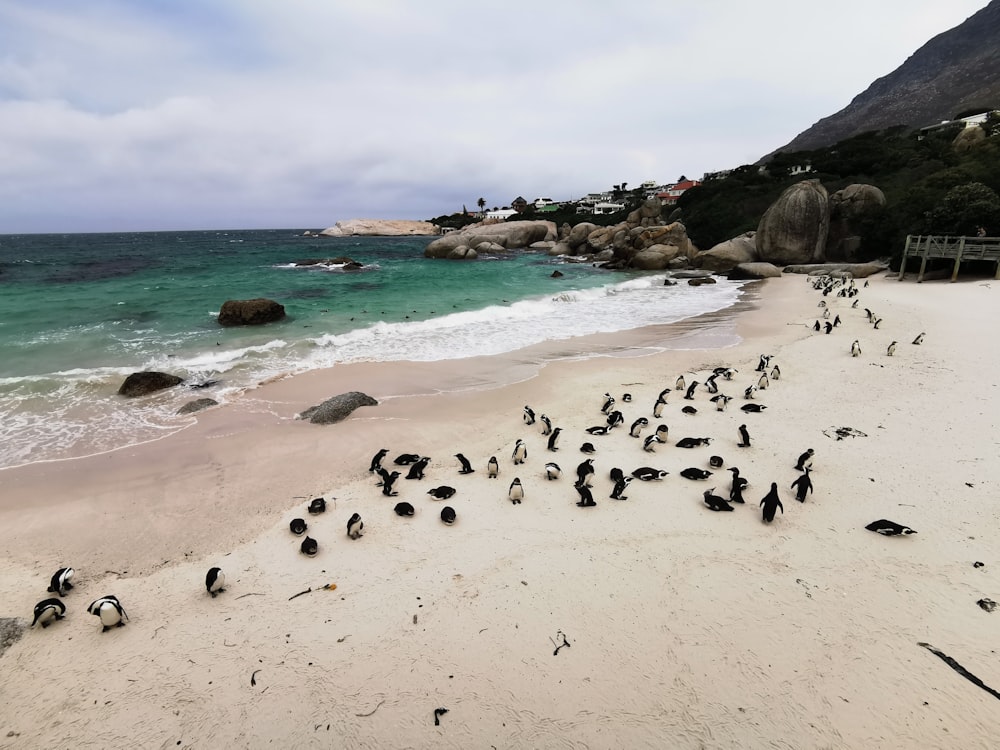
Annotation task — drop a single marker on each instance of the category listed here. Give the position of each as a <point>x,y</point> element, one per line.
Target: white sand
<point>688,628</point>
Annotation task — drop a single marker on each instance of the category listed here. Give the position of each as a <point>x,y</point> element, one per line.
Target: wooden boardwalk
<point>958,248</point>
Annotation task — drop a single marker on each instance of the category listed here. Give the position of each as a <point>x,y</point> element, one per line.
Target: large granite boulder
<point>462,253</point>
<point>729,254</point>
<point>509,235</point>
<point>380,228</point>
<point>744,271</point>
<point>250,312</point>
<point>794,228</point>
<point>648,213</point>
<point>850,210</point>
<point>337,408</point>
<point>143,383</point>
<point>197,405</point>
<point>856,270</point>
<point>655,257</point>
<point>578,235</point>
<point>968,139</point>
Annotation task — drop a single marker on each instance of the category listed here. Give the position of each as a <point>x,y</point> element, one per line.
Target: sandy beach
<point>646,622</point>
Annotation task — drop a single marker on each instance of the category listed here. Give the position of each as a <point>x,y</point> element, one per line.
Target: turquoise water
<point>78,313</point>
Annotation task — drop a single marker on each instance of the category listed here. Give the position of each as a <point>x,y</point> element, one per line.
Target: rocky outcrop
<point>250,312</point>
<point>744,271</point>
<point>727,255</point>
<point>143,383</point>
<point>850,210</point>
<point>380,228</point>
<point>337,408</point>
<point>968,139</point>
<point>343,262</point>
<point>197,405</point>
<point>794,228</point>
<point>857,270</point>
<point>507,235</point>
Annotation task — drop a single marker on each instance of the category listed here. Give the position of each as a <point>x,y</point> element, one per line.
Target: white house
<point>501,213</point>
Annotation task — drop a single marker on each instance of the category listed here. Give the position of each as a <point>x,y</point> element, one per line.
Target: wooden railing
<point>959,248</point>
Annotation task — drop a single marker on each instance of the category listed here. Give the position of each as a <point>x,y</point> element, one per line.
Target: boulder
<point>729,254</point>
<point>380,228</point>
<point>197,405</point>
<point>543,245</point>
<point>560,248</point>
<point>509,235</point>
<point>857,270</point>
<point>655,257</point>
<point>579,234</point>
<point>968,139</point>
<point>462,253</point>
<point>754,271</point>
<point>794,228</point>
<point>250,312</point>
<point>489,247</point>
<point>337,408</point>
<point>143,383</point>
<point>850,210</point>
<point>700,281</point>
<point>557,275</point>
<point>692,274</point>
<point>348,264</point>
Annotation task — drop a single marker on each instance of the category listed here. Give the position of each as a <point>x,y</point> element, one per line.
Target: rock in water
<point>250,312</point>
<point>197,405</point>
<point>337,408</point>
<point>141,383</point>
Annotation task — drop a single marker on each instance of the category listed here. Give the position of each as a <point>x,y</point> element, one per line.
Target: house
<point>519,204</point>
<point>502,214</point>
<point>965,122</point>
<point>675,191</point>
<point>544,203</point>
<point>607,207</point>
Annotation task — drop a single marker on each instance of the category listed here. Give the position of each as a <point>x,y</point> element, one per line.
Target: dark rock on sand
<point>142,383</point>
<point>337,408</point>
<point>197,405</point>
<point>250,312</point>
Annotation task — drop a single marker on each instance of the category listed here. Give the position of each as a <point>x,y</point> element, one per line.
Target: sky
<point>132,115</point>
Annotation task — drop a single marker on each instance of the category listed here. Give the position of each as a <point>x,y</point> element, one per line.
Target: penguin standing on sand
<point>739,484</point>
<point>661,433</point>
<point>762,382</point>
<point>919,340</point>
<point>520,452</point>
<point>515,492</point>
<point>658,408</point>
<point>529,415</point>
<point>492,467</point>
<point>552,471</point>
<point>770,503</point>
<point>546,424</point>
<point>466,466</point>
<point>615,419</point>
<point>377,460</point>
<point>802,485</point>
<point>586,496</point>
<point>662,396</point>
<point>744,437</point>
<point>387,481</point>
<point>690,391</point>
<point>609,403</point>
<point>775,373</point>
<point>855,349</point>
<point>829,326</point>
<point>553,439</point>
<point>109,610</point>
<point>710,383</point>
<point>636,429</point>
<point>60,583</point>
<point>585,472</point>
<point>749,392</point>
<point>804,460</point>
<point>417,470</point>
<point>355,526</point>
<point>891,349</point>
<point>619,488</point>
<point>764,361</point>
<point>650,443</point>
<point>817,326</point>
<point>721,401</point>
<point>215,581</point>
<point>47,611</point>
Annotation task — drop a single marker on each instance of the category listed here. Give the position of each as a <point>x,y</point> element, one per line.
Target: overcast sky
<point>123,115</point>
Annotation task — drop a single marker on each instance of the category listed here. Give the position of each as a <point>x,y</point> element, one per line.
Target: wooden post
<point>958,259</point>
<point>902,264</point>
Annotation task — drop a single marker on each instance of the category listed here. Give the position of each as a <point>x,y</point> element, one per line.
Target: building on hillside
<point>607,207</point>
<point>965,122</point>
<point>720,175</point>
<point>519,204</point>
<point>673,192</point>
<point>544,203</point>
<point>501,213</point>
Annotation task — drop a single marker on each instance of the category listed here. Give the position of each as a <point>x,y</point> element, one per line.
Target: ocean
<point>80,312</point>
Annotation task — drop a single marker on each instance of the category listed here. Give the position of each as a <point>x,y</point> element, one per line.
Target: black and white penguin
<point>448,515</point>
<point>804,460</point>
<point>854,304</point>
<point>749,392</point>
<point>737,487</point>
<point>752,408</point>
<point>441,493</point>
<point>110,610</point>
<point>877,323</point>
<point>775,373</point>
<point>355,526</point>
<point>529,415</point>
<point>817,326</point>
<point>520,452</point>
<point>721,401</point>
<point>215,581</point>
<point>466,466</point>
<point>829,326</point>
<point>714,502</point>
<point>889,528</point>
<point>826,315</point>
<point>585,472</point>
<point>728,372</point>
<point>598,430</point>
<point>615,419</point>
<point>492,467</point>
<point>47,611</point>
<point>586,496</point>
<point>626,398</point>
<point>764,360</point>
<point>608,403</point>
<point>317,505</point>
<point>661,432</point>
<point>515,493</point>
<point>649,474</point>
<point>405,459</point>
<point>61,581</point>
<point>855,349</point>
<point>616,474</point>
<point>802,485</point>
<point>388,479</point>
<point>417,469</point>
<point>690,442</point>
<point>770,503</point>
<point>588,448</point>
<point>552,471</point>
<point>650,443</point>
<point>919,340</point>
<point>689,410</point>
<point>710,384</point>
<point>680,385</point>
<point>744,437</point>
<point>891,349</point>
<point>403,509</point>
<point>636,429</point>
<point>662,396</point>
<point>620,486</point>
<point>689,395</point>
<point>554,439</point>
<point>836,321</point>
<point>298,526</point>
<point>715,462</point>
<point>309,547</point>
<point>763,382</point>
<point>377,460</point>
<point>695,474</point>
<point>546,424</point>
<point>658,408</point>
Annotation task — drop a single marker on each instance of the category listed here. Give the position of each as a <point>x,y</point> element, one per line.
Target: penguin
<point>492,467</point>
<point>317,506</point>
<point>649,474</point>
<point>836,321</point>
<point>715,462</point>
<point>546,425</point>
<point>387,482</point>
<point>616,474</point>
<point>690,391</point>
<point>762,382</point>
<point>215,581</point>
<point>298,526</point>
<point>728,373</point>
<point>752,408</point>
<point>690,442</point>
<point>650,443</point>
<point>417,470</point>
<point>855,349</point>
<point>802,485</point>
<point>552,471</point>
<point>775,373</point>
<point>626,398</point>
<point>529,415</point>
<point>60,582</point>
<point>377,460</point>
<point>516,492</point>
<point>636,429</point>
<point>405,459</point>
<point>663,395</point>
<point>869,314</point>
<point>710,384</point>
<point>441,493</point>
<point>47,611</point>
<point>689,410</point>
<point>919,340</point>
<point>829,326</point>
<point>553,442</point>
<point>714,502</point>
<point>448,515</point>
<point>585,472</point>
<point>804,460</point>
<point>403,509</point>
<point>661,432</point>
<point>817,326</point>
<point>889,528</point>
<point>110,610</point>
<point>309,546</point>
<point>680,385</point>
<point>598,430</point>
<point>770,503</point>
<point>520,452</point>
<point>658,407</point>
<point>891,349</point>
<point>877,323</point>
<point>826,315</point>
<point>609,403</point>
<point>615,419</point>
<point>764,360</point>
<point>749,392</point>
<point>586,496</point>
<point>588,448</point>
<point>619,488</point>
<point>466,466</point>
<point>744,437</point>
<point>737,487</point>
<point>695,474</point>
<point>355,526</point>
<point>721,401</point>
<point>854,305</point>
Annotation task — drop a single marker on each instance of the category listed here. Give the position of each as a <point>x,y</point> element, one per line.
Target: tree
<point>481,203</point>
<point>964,210</point>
